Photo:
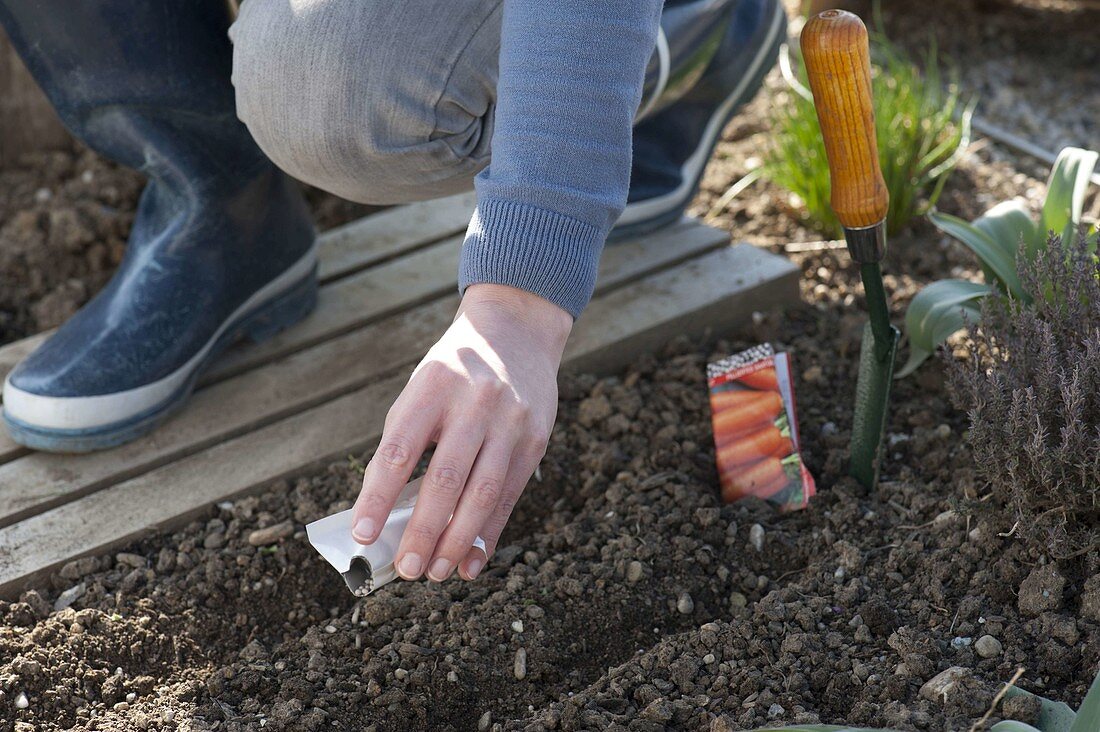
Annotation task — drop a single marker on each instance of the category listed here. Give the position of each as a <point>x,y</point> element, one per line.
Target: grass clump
<point>1030,388</point>
<point>922,127</point>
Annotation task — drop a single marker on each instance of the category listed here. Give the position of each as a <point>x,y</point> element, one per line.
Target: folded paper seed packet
<point>756,430</point>
<point>366,568</point>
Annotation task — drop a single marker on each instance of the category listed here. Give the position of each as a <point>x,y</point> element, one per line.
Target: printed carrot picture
<point>762,479</point>
<point>755,431</point>
<point>731,423</point>
<point>762,443</point>
<point>762,379</point>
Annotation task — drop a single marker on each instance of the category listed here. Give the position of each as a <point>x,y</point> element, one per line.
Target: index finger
<point>404,439</point>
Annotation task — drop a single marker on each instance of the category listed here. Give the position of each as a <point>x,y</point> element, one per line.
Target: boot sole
<point>649,215</point>
<point>257,323</point>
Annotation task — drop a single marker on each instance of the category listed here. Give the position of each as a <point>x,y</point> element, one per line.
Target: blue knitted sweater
<point>570,83</point>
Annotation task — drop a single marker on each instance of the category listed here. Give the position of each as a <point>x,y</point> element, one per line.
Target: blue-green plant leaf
<point>1066,188</point>
<point>1053,716</point>
<point>1011,725</point>
<point>935,313</point>
<point>1088,716</point>
<point>1009,224</point>
<point>992,255</point>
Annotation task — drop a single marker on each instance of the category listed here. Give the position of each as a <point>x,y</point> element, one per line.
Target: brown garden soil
<point>624,595</point>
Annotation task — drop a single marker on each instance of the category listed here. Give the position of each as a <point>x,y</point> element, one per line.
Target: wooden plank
<point>346,304</point>
<point>40,481</point>
<point>718,291</point>
<point>181,489</point>
<point>399,284</point>
<point>683,238</point>
<point>431,272</point>
<point>672,300</point>
<point>391,233</point>
<point>403,283</point>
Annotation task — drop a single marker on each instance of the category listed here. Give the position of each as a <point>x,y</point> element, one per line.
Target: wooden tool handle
<point>834,46</point>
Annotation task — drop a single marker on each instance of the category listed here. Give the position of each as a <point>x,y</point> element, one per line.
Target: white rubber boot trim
<point>78,413</point>
<point>664,68</point>
<point>692,167</point>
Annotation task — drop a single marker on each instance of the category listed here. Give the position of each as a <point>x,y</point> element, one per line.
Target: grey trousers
<point>377,102</point>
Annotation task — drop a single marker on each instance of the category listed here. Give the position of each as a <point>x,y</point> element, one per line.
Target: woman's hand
<point>486,394</point>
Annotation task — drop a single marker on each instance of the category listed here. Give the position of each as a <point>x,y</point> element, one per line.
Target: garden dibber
<point>835,48</point>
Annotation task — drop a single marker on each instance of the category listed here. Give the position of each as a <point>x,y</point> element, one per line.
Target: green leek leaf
<point>937,312</point>
<point>1053,716</point>
<point>1066,188</point>
<point>991,254</point>
<point>1010,725</point>
<point>1009,224</point>
<point>1088,716</point>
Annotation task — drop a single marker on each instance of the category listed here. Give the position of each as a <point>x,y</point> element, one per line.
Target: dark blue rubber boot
<point>221,248</point>
<point>713,56</point>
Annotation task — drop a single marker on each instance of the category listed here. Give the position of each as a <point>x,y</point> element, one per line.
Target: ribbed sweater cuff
<point>544,252</point>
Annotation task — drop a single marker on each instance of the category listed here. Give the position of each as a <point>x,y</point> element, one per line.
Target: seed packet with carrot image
<point>756,431</point>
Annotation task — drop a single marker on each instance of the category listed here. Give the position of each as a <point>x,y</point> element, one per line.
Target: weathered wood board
<point>321,390</point>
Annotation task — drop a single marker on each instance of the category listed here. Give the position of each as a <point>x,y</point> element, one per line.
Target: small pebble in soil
<point>775,711</point>
<point>452,677</point>
<point>1041,591</point>
<point>988,647</point>
<point>271,534</point>
<point>945,519</point>
<point>709,659</point>
<point>939,686</point>
<point>634,571</point>
<point>330,629</point>
<point>519,665</point>
<point>21,701</point>
<point>737,600</point>
<point>484,722</point>
<point>517,626</point>
<point>685,605</point>
<point>400,674</point>
<point>26,667</point>
<point>961,642</point>
<point>756,537</point>
<point>69,596</point>
<point>894,439</point>
<point>130,560</point>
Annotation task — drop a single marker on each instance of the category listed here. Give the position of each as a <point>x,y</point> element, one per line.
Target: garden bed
<point>624,596</point>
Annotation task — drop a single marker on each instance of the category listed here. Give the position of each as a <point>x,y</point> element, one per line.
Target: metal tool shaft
<point>878,311</point>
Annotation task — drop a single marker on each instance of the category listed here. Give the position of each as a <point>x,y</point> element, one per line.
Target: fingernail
<point>473,567</point>
<point>364,530</point>
<point>440,570</point>
<point>410,566</point>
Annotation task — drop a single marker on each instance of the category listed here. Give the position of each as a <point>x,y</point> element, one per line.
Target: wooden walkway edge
<point>321,390</point>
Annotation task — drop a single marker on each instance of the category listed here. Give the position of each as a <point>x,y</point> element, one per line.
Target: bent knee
<point>329,102</point>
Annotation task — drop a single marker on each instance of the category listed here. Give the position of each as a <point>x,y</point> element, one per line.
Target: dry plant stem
<point>997,700</point>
